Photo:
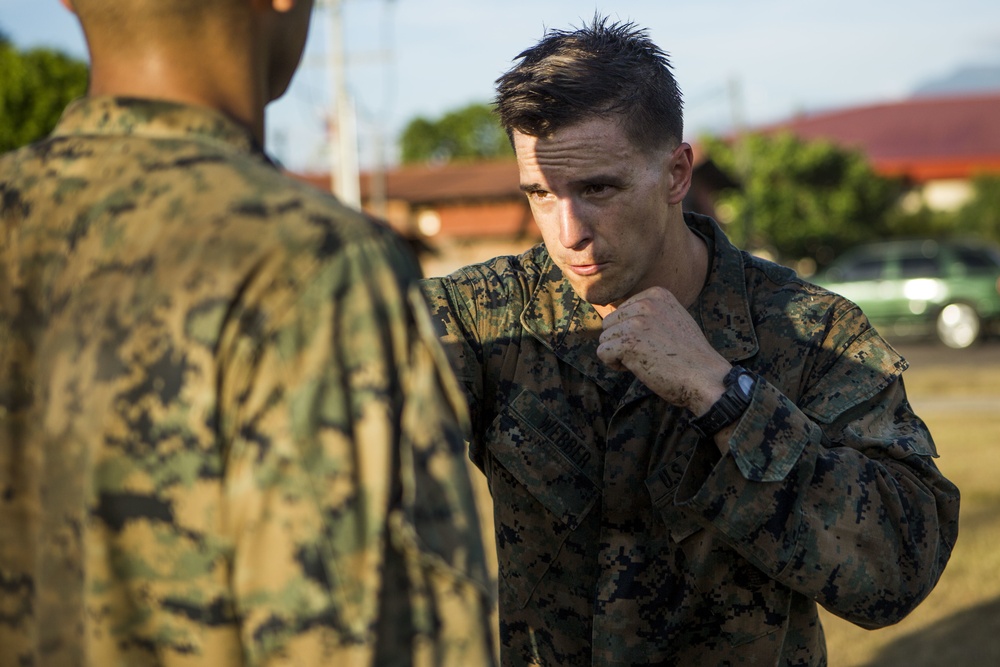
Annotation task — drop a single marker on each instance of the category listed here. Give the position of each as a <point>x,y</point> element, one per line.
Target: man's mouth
<point>585,269</point>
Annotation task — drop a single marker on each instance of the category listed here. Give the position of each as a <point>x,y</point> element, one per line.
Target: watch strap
<point>729,408</point>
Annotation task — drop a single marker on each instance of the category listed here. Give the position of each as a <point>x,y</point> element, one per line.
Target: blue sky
<point>425,57</point>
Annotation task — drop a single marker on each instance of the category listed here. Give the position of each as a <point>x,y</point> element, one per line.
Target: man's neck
<point>696,276</point>
<point>686,272</point>
<point>165,76</point>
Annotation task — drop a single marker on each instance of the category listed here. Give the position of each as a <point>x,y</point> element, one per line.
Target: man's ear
<point>681,170</point>
<point>280,6</point>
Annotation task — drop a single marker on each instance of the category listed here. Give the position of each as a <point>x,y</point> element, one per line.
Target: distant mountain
<point>969,79</point>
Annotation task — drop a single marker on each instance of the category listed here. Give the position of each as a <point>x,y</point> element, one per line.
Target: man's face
<point>603,207</point>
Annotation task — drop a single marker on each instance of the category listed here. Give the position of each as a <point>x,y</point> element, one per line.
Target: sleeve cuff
<point>770,436</point>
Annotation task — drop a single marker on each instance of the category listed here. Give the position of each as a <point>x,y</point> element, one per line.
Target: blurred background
<point>855,141</point>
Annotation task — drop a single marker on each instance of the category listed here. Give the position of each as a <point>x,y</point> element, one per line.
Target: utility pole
<point>345,178</point>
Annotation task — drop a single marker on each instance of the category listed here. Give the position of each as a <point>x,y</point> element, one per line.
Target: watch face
<point>745,382</point>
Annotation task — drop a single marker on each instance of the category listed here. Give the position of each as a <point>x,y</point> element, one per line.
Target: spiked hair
<point>598,70</point>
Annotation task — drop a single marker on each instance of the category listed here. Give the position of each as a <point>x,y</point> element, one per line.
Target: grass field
<point>959,623</point>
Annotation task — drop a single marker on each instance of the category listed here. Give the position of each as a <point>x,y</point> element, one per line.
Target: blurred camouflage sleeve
<point>339,538</point>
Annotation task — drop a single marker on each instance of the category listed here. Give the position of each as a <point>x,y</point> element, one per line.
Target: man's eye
<point>596,189</point>
<point>538,194</point>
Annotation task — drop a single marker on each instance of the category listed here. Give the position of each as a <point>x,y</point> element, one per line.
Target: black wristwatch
<point>731,405</point>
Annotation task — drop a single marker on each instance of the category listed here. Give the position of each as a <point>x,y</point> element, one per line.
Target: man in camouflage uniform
<point>228,434</point>
<point>687,446</point>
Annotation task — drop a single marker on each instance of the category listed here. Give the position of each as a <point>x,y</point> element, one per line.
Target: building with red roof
<point>433,200</point>
<point>938,144</point>
<point>455,213</point>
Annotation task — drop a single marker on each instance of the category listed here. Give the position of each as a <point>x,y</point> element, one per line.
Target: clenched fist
<point>652,335</point>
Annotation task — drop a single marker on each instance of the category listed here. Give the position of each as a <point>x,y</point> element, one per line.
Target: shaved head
<point>124,23</point>
<point>155,9</point>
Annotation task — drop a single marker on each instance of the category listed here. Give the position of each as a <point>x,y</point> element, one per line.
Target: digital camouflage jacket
<point>625,540</point>
<point>228,434</point>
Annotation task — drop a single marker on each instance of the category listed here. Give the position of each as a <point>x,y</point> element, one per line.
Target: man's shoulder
<point>318,233</point>
<point>206,203</point>
<point>253,199</point>
<point>494,291</point>
<point>525,269</point>
<point>770,282</point>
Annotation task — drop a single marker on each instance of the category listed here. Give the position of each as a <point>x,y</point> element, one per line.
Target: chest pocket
<point>537,474</point>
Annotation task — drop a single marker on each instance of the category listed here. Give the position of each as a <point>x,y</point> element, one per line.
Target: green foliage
<point>469,133</point>
<point>35,87</point>
<point>802,198</point>
<point>924,221</point>
<point>981,215</point>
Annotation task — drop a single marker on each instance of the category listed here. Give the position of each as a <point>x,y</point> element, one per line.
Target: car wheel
<point>958,325</point>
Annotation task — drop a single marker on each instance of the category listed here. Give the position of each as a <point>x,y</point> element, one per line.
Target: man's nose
<point>574,230</point>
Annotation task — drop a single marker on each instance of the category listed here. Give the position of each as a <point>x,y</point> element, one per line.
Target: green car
<point>925,287</point>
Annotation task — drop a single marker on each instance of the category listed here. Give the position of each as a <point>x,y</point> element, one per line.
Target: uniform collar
<point>571,327</point>
<point>723,307</point>
<point>154,119</point>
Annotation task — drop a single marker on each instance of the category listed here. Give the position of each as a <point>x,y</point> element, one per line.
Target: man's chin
<point>596,293</point>
<point>601,302</point>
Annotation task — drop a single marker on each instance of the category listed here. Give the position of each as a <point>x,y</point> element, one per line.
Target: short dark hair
<point>599,69</point>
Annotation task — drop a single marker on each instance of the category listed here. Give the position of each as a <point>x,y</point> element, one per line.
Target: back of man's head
<point>598,70</point>
<point>129,24</point>
<point>233,56</point>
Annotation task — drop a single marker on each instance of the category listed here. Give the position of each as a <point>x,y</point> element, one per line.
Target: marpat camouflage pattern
<point>228,434</point>
<point>625,540</point>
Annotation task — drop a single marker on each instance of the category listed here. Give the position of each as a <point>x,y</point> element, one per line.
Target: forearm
<point>863,521</point>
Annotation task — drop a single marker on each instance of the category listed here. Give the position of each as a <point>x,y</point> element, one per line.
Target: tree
<point>469,133</point>
<point>35,87</point>
<point>803,198</point>
<point>981,215</point>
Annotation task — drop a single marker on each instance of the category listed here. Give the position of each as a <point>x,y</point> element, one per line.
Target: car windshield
<point>864,268</point>
<point>919,267</point>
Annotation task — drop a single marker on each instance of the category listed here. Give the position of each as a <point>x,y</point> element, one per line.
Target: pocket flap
<point>529,443</point>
